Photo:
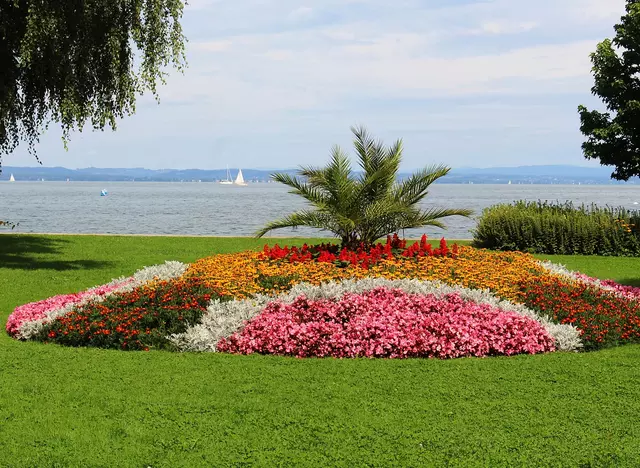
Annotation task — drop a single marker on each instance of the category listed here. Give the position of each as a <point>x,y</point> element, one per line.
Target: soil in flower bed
<point>135,320</point>
<point>388,323</point>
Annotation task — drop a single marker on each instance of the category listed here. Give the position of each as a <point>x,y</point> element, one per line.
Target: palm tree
<point>363,208</point>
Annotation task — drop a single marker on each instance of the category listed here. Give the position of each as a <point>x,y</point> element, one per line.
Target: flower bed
<point>222,319</point>
<point>318,301</point>
<point>628,292</point>
<point>330,253</point>
<point>388,323</point>
<point>137,319</point>
<point>27,320</point>
<point>247,273</point>
<point>603,316</point>
<point>58,304</point>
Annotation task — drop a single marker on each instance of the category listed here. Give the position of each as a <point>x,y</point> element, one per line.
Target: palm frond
<point>432,217</point>
<point>339,181</point>
<point>306,218</point>
<point>315,176</point>
<point>383,217</point>
<point>312,194</point>
<point>381,173</point>
<point>364,145</point>
<point>415,188</point>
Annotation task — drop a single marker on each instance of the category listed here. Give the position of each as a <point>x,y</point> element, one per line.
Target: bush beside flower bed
<point>559,228</point>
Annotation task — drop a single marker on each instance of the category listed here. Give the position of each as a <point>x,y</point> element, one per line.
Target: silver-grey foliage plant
<point>225,318</point>
<point>165,271</point>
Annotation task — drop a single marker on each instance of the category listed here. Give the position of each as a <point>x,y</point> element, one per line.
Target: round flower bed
<point>393,300</point>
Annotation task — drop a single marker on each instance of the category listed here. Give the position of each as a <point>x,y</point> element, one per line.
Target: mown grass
<point>87,407</point>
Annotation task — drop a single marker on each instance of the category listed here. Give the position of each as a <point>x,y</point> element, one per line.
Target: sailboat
<point>239,180</point>
<point>228,180</point>
<point>12,179</point>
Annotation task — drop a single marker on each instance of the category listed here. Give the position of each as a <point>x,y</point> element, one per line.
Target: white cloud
<point>301,72</point>
<point>599,10</point>
<point>278,54</point>
<point>301,14</point>
<point>212,46</point>
<point>400,65</point>
<point>498,27</point>
<point>247,78</point>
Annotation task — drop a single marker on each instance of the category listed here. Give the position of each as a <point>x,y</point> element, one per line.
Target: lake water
<point>218,210</point>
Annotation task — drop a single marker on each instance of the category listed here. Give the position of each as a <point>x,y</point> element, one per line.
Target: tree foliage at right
<point>613,137</point>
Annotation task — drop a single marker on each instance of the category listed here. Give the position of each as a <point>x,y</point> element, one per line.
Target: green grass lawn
<point>88,407</point>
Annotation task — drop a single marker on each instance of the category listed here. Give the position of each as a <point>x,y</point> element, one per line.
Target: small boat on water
<point>240,180</point>
<point>228,180</point>
<point>12,179</point>
<point>104,193</point>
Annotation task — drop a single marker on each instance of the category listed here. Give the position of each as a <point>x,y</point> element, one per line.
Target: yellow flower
<point>245,274</point>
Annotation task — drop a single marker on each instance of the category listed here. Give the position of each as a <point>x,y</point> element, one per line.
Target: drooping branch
<point>81,62</point>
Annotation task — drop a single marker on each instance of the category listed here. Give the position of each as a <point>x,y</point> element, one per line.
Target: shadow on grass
<point>631,282</point>
<point>27,252</point>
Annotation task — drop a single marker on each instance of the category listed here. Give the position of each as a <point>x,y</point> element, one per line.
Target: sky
<point>276,83</point>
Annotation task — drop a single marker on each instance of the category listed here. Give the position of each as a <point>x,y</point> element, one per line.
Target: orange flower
<point>246,273</point>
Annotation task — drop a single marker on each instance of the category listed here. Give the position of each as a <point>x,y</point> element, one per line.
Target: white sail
<point>228,180</point>
<point>240,179</point>
<point>12,179</point>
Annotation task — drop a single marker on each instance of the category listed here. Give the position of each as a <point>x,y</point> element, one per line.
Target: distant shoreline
<point>603,183</point>
<point>182,235</point>
<point>536,174</point>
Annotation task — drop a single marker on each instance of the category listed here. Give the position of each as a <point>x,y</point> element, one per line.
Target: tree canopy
<point>613,137</point>
<point>78,62</point>
<point>361,208</point>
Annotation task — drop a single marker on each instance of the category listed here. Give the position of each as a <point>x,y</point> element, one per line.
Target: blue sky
<point>275,83</point>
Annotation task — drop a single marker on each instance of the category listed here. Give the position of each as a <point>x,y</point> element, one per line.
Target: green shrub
<point>559,228</point>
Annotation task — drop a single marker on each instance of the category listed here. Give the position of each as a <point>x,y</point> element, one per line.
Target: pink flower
<point>630,292</point>
<point>388,323</point>
<point>39,310</point>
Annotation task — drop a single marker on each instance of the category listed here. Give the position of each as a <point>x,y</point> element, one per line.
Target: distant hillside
<point>495,175</point>
<point>128,174</point>
<point>544,171</point>
<point>559,174</point>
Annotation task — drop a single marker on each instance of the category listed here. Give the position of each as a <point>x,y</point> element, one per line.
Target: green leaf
<point>365,207</point>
